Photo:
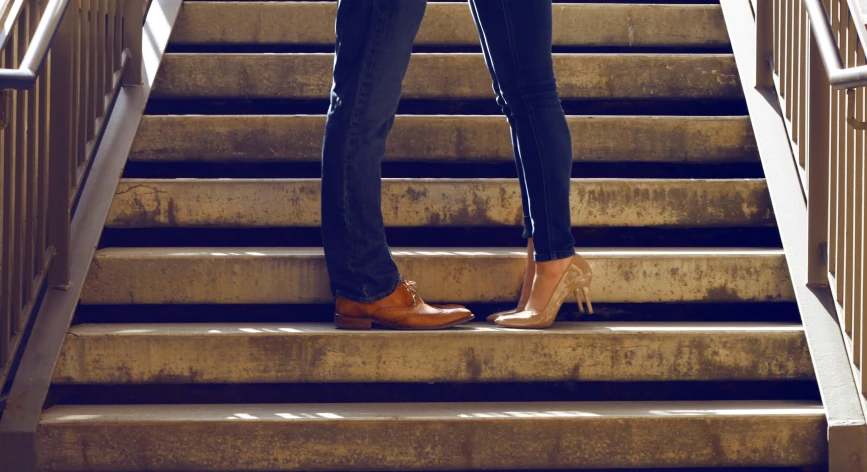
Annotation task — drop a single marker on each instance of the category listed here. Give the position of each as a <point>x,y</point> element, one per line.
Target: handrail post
<point>764,43</point>
<point>818,160</point>
<point>133,17</point>
<point>61,152</point>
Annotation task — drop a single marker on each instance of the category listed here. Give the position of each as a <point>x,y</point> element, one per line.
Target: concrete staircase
<point>203,341</point>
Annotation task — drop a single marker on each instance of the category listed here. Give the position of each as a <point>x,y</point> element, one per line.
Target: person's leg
<point>518,38</point>
<point>373,48</point>
<point>530,270</point>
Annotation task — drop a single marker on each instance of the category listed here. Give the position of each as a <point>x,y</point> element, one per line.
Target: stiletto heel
<point>586,291</point>
<point>575,280</point>
<point>578,296</point>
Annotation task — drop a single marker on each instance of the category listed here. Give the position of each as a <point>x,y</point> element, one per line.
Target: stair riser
<point>226,354</point>
<point>255,275</point>
<point>444,139</point>
<point>450,76</point>
<point>669,439</point>
<point>440,202</point>
<point>450,24</point>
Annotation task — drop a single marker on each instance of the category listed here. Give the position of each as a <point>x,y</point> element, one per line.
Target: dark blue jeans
<point>374,44</point>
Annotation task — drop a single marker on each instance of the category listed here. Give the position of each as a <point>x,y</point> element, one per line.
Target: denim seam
<point>371,298</point>
<point>352,137</point>
<point>512,47</point>
<point>528,223</point>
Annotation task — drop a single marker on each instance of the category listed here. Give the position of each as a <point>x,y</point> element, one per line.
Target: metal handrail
<point>839,76</point>
<point>24,77</point>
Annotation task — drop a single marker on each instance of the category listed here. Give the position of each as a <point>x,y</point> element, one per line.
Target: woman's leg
<point>530,271</point>
<point>517,35</point>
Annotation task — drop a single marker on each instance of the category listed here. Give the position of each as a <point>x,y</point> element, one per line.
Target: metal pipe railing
<point>817,61</point>
<point>24,76</point>
<point>62,63</point>
<point>839,76</point>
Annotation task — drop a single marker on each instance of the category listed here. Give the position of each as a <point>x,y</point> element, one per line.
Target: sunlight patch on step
<point>455,253</point>
<point>243,416</point>
<point>699,328</point>
<point>529,414</point>
<point>219,254</point>
<point>739,412</point>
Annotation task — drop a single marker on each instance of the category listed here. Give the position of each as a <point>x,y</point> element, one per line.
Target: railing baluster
<point>803,48</point>
<point>30,187</point>
<point>849,186</point>
<point>817,165</point>
<point>794,68</point>
<point>778,33</point>
<point>63,150</point>
<point>83,86</point>
<point>861,216</point>
<point>92,84</point>
<point>20,110</point>
<point>133,14</point>
<point>764,43</point>
<point>782,47</point>
<point>841,183</point>
<point>108,45</point>
<point>99,53</point>
<point>857,211</point>
<point>42,184</point>
<point>118,36</point>
<point>5,273</point>
<point>833,169</point>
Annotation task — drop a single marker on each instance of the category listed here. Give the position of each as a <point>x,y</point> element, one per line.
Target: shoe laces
<point>412,287</point>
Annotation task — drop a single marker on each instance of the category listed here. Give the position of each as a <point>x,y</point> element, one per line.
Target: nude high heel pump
<point>576,280</point>
<point>498,314</point>
<point>492,318</point>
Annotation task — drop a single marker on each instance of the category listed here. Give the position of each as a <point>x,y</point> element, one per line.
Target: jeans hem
<point>528,228</point>
<point>372,298</point>
<point>553,256</point>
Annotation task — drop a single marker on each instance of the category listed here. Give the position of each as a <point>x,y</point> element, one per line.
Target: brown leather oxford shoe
<point>403,309</point>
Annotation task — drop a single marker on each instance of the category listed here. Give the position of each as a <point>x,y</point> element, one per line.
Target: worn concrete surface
<point>298,275</point>
<point>450,76</point>
<point>298,138</point>
<point>316,352</point>
<point>142,203</point>
<point>450,24</point>
<point>438,436</point>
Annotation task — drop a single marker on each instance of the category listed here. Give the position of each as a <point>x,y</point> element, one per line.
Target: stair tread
<point>433,436</point>
<point>298,275</point>
<point>312,23</point>
<point>444,138</point>
<point>294,329</point>
<point>449,76</point>
<point>425,202</point>
<point>468,252</point>
<point>233,353</point>
<point>73,414</point>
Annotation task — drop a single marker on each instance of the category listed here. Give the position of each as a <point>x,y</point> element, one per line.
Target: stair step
<point>444,139</point>
<point>450,76</point>
<point>318,353</point>
<point>143,203</point>
<point>437,436</point>
<point>450,24</point>
<point>298,275</point>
